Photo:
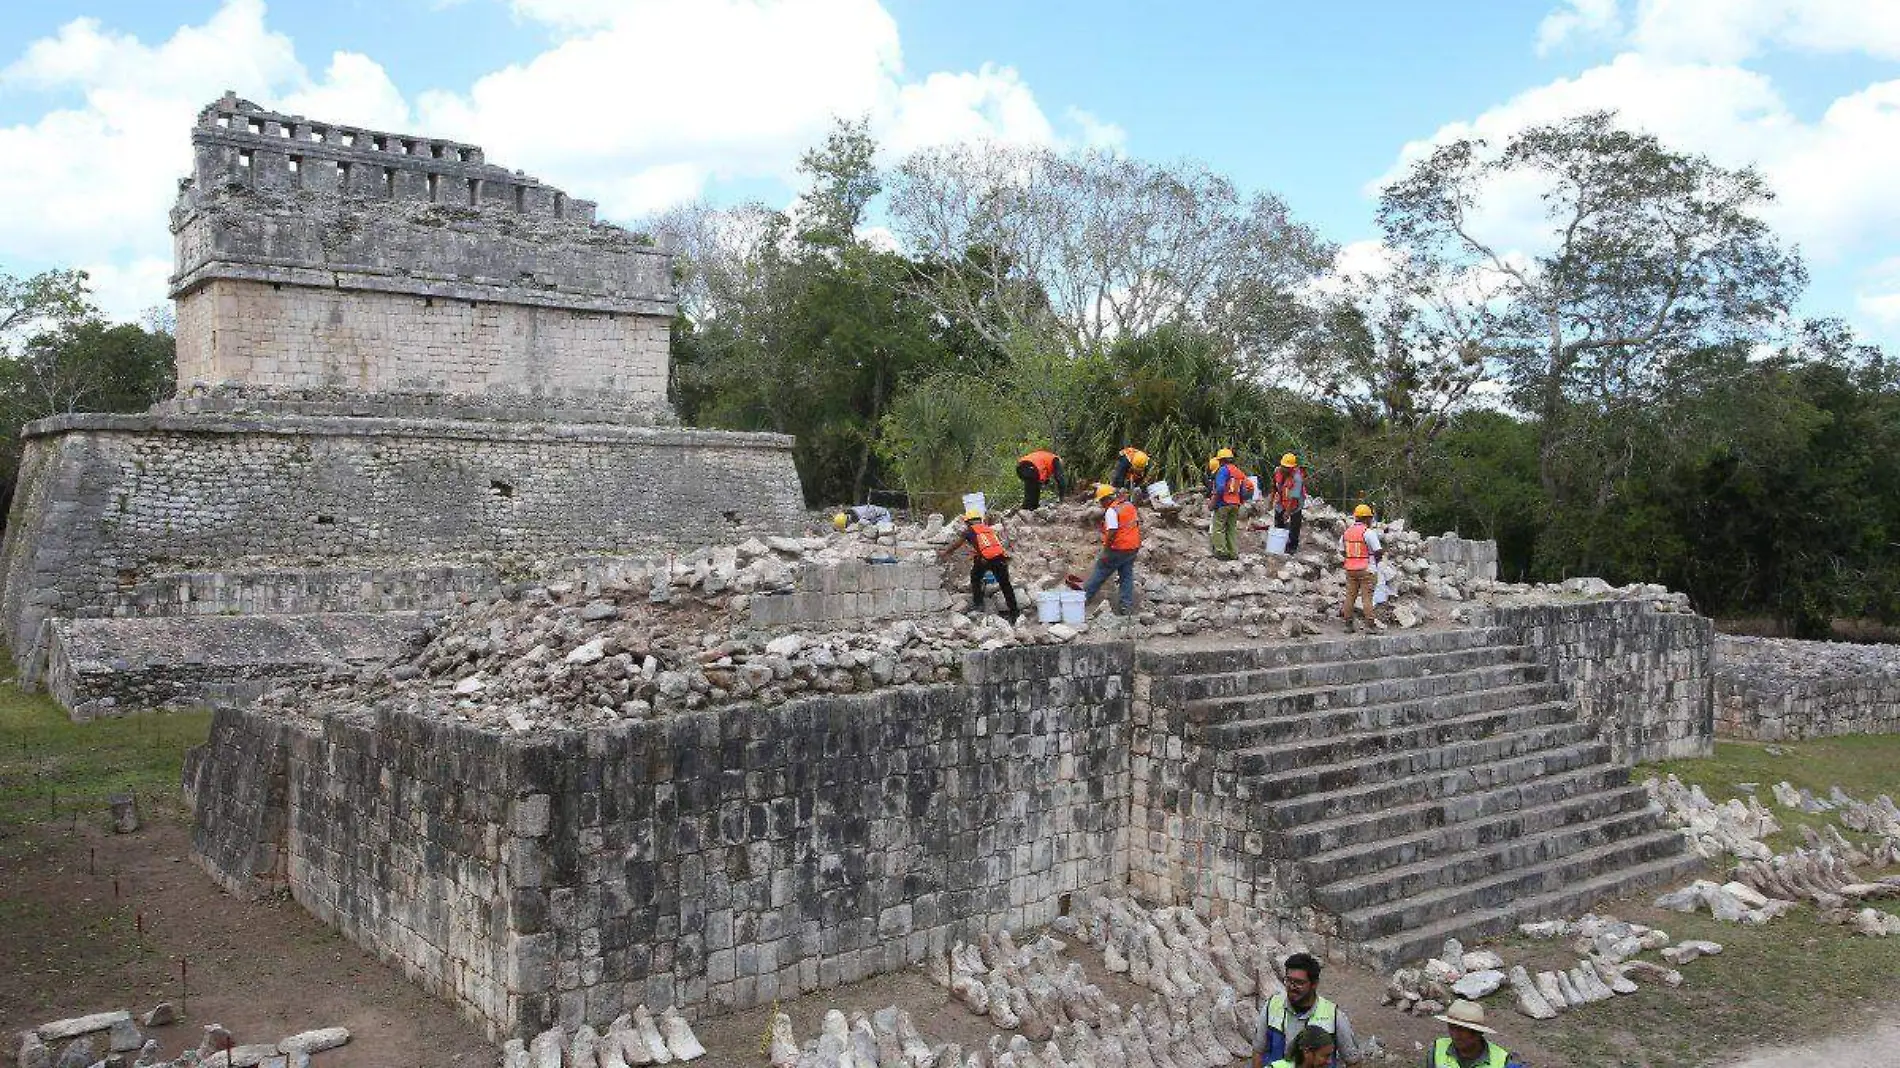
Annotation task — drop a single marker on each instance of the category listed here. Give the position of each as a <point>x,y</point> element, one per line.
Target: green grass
<point>1792,979</point>
<point>53,769</point>
<point>1863,765</point>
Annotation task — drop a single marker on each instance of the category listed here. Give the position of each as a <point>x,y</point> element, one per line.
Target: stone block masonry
<point>851,592</point>
<point>316,256</point>
<point>109,502</point>
<point>106,667</point>
<point>1645,677</point>
<point>1773,689</point>
<point>719,859</point>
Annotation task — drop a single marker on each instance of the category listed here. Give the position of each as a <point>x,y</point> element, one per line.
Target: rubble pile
<point>631,1040</point>
<point>1607,966</point>
<point>1733,828</point>
<point>556,650</point>
<point>110,1038</point>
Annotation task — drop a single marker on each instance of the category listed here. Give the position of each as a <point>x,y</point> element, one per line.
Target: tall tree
<point>50,300</point>
<point>1089,247</point>
<point>1646,253</point>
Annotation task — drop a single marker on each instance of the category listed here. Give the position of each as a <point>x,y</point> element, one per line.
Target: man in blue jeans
<point>1121,540</point>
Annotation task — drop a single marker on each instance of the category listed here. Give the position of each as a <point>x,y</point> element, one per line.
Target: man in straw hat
<point>1467,1042</point>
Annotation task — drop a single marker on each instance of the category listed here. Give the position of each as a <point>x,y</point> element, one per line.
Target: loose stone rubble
<point>630,1041</point>
<point>681,634</point>
<point>1766,885</point>
<point>107,1038</point>
<point>1773,688</point>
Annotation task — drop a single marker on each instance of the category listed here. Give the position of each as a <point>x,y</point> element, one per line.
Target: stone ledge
<point>348,277</point>
<point>378,426</point>
<point>112,666</point>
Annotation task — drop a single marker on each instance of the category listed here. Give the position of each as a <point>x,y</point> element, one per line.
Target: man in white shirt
<point>1361,545</point>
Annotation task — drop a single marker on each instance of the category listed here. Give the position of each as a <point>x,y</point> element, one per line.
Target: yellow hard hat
<point>1213,464</point>
<point>1289,460</point>
<point>972,516</point>
<point>840,521</point>
<point>1103,491</point>
<point>1224,454</point>
<point>1364,511</point>
<point>1135,456</point>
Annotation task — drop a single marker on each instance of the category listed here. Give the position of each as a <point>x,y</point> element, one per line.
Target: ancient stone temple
<point>404,374</point>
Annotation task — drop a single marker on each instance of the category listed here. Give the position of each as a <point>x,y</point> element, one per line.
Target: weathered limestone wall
<point>310,255</point>
<point>719,859</point>
<point>107,667</point>
<point>1645,677</point>
<point>1772,689</point>
<point>302,337</point>
<point>853,591</point>
<point>1479,559</point>
<point>108,504</point>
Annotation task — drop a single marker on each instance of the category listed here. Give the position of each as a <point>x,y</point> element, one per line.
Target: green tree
<point>1648,253</point>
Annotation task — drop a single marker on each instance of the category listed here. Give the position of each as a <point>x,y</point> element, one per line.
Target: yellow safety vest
<point>1279,1013</point>
<point>1443,1057</point>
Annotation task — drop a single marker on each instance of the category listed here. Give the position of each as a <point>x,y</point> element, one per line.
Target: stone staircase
<point>1426,785</point>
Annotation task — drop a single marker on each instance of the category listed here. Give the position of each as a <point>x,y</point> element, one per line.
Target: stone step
<point>1569,899</point>
<point>1501,890</point>
<point>1332,839</point>
<point>1403,865</point>
<point>1163,661</point>
<point>1466,770</point>
<point>1253,732</point>
<point>1330,675</point>
<point>1326,750</point>
<point>1391,767</point>
<point>1381,692</point>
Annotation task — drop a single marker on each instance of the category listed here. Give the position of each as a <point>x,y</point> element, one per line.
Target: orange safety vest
<point>1289,486</point>
<point>1127,532</point>
<point>1044,462</point>
<point>1358,557</point>
<point>988,545</point>
<point>1237,481</point>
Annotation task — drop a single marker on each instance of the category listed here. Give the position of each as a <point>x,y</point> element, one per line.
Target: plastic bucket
<point>1074,607</point>
<point>1159,493</point>
<point>973,502</point>
<point>1276,541</point>
<point>1049,606</point>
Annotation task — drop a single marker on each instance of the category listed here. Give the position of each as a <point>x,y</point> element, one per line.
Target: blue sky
<point>640,103</point>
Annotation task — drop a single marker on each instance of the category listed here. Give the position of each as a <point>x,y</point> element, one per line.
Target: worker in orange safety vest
<point>1363,553</point>
<point>988,556</point>
<point>1121,541</point>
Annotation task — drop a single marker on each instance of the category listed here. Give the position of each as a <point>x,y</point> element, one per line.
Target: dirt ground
<point>267,969</point>
<point>70,946</point>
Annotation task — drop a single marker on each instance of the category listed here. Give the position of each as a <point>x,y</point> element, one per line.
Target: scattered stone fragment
<point>514,1054</point>
<point>34,1053</point>
<point>77,1054</point>
<point>164,1013</point>
<point>1530,1001</point>
<point>60,1030</point>
<point>680,1040</point>
<point>315,1041</point>
<point>1477,985</point>
<point>545,1050</point>
<point>123,1036</point>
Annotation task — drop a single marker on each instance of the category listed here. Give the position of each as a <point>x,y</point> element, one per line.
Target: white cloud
<point>635,103</point>
<point>1879,295</point>
<point>1578,20</point>
<point>1730,31</point>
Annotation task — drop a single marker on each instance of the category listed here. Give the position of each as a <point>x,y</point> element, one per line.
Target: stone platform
<point>122,515</point>
<point>1387,790</point>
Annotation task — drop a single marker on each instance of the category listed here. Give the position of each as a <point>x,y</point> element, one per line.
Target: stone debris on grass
<point>108,1036</point>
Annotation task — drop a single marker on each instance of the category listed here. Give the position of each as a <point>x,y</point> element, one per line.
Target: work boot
<point>1350,625</point>
<point>1013,615</point>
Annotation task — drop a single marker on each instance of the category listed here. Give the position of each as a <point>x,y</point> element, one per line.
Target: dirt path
<point>1876,1047</point>
<point>264,970</point>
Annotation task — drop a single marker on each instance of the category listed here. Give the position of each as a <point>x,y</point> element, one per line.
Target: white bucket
<point>1159,493</point>
<point>1049,606</point>
<point>1074,607</point>
<point>1276,541</point>
<point>973,502</point>
<point>1382,592</point>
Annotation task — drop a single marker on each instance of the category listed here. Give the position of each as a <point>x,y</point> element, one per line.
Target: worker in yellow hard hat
<point>1363,553</point>
<point>1288,499</point>
<point>868,514</point>
<point>988,556</point>
<point>1131,471</point>
<point>1231,489</point>
<point>1121,541</point>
